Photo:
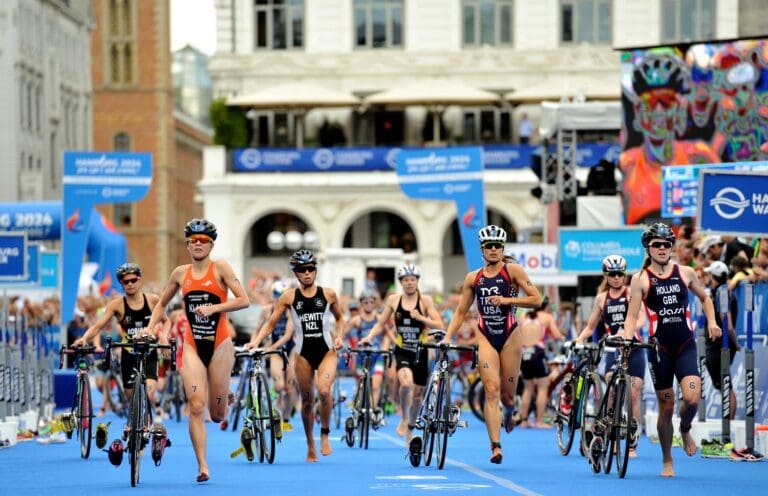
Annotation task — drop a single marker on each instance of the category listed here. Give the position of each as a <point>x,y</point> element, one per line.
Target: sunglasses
<point>492,246</point>
<point>368,301</point>
<point>615,273</point>
<point>126,282</point>
<point>199,238</point>
<point>304,270</point>
<point>661,244</point>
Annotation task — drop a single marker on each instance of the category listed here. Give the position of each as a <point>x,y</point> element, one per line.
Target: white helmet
<point>492,234</point>
<point>408,270</point>
<point>614,263</point>
<point>278,287</point>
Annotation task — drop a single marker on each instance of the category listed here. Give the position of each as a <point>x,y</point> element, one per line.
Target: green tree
<point>230,125</point>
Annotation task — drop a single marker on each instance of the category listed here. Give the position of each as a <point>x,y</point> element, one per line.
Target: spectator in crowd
<point>684,252</point>
<point>712,247</point>
<point>742,271</point>
<point>734,247</point>
<point>525,129</point>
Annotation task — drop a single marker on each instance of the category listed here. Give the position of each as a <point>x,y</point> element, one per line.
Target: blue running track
<point>532,465</point>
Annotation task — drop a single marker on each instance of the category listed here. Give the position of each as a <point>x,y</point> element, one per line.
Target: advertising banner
<point>13,254</point>
<point>449,174</point>
<point>92,178</point>
<point>536,259</point>
<point>583,250</point>
<point>40,220</point>
<point>734,203</point>
<point>689,104</point>
<point>33,266</point>
<point>49,269</point>
<point>385,158</point>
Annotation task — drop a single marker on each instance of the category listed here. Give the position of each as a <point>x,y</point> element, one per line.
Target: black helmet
<point>127,268</point>
<point>200,226</point>
<point>300,258</point>
<point>658,230</point>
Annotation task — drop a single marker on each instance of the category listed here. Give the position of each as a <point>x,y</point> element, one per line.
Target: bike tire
<point>138,414</point>
<point>444,411</point>
<point>116,397</point>
<point>85,417</point>
<point>178,396</point>
<point>365,419</point>
<point>237,407</point>
<point>589,403</point>
<point>565,425</point>
<point>623,422</point>
<point>608,446</point>
<point>336,402</point>
<point>431,423</point>
<point>265,420</point>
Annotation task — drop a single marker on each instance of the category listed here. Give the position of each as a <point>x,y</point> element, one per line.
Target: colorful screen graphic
<point>689,104</point>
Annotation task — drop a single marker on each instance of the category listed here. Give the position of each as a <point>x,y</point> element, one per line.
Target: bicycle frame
<point>362,406</point>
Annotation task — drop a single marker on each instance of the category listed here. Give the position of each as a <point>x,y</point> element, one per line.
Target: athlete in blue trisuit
<point>356,329</point>
<point>495,289</point>
<point>663,287</point>
<point>311,307</point>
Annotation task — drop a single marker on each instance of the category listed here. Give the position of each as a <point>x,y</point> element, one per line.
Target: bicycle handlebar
<point>242,351</point>
<point>142,346</point>
<point>446,347</point>
<point>78,351</point>
<point>372,351</point>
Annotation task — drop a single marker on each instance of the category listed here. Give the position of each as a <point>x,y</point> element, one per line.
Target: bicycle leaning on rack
<point>80,418</point>
<point>438,419</point>
<point>364,414</point>
<point>140,428</point>
<point>615,430</point>
<point>262,423</point>
<point>579,397</point>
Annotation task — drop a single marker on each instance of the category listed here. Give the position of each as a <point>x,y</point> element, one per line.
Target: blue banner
<point>40,220</point>
<point>449,174</point>
<point>92,178</point>
<point>33,265</point>
<point>583,250</point>
<point>49,269</point>
<point>360,159</point>
<point>13,254</point>
<point>735,203</point>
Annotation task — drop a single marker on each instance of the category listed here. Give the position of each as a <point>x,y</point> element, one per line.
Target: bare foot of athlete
<point>667,470</point>
<point>311,453</point>
<point>402,428</point>
<point>689,444</point>
<point>325,445</point>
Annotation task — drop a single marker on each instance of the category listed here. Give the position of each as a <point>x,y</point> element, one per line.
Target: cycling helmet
<point>278,288</point>
<point>492,234</point>
<point>127,268</point>
<point>115,452</point>
<point>614,263</point>
<point>300,258</point>
<point>658,230</point>
<point>200,226</point>
<point>660,71</point>
<point>366,295</point>
<point>408,270</point>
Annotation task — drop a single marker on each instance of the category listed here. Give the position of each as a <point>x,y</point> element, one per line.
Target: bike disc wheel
<point>622,423</point>
<point>84,418</point>
<point>265,420</point>
<point>138,414</point>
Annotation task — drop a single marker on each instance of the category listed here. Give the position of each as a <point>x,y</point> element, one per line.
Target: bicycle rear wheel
<point>116,397</point>
<point>178,396</point>
<point>622,424</point>
<point>430,403</point>
<point>589,402</point>
<point>444,415</point>
<point>264,421</point>
<point>608,416</point>
<point>85,417</point>
<point>565,424</point>
<point>336,413</point>
<point>138,415</point>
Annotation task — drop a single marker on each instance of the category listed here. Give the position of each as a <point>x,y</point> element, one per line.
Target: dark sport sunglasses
<point>661,244</point>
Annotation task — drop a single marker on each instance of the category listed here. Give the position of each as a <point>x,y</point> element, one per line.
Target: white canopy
<point>433,91</point>
<point>298,95</point>
<point>586,115</point>
<point>607,87</point>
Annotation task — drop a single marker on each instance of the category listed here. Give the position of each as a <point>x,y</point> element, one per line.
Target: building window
<point>120,42</point>
<point>279,24</point>
<point>586,21</point>
<point>122,214</point>
<point>272,129</point>
<point>487,22</point>
<point>121,142</point>
<point>487,125</point>
<point>687,20</point>
<point>378,23</point>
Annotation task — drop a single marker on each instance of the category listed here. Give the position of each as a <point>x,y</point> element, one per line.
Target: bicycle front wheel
<point>589,403</point>
<point>364,424</point>
<point>85,417</point>
<point>336,402</point>
<point>237,407</point>
<point>565,424</point>
<point>138,414</point>
<point>622,423</point>
<point>430,403</point>
<point>444,415</point>
<point>264,421</point>
<point>178,396</point>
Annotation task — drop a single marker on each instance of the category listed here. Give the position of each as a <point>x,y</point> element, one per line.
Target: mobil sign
<point>535,258</point>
